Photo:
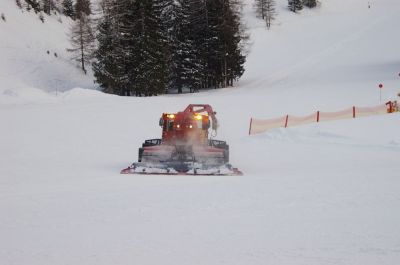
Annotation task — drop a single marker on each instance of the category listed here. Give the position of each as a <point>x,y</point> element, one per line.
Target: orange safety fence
<point>262,125</point>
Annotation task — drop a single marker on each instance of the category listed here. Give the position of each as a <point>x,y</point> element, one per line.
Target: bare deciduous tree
<point>266,10</point>
<point>82,40</point>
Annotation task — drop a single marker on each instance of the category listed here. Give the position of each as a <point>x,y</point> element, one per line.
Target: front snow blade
<point>187,168</point>
<point>149,169</point>
<point>214,170</point>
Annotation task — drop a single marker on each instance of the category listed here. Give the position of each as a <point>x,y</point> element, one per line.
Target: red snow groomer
<point>186,147</point>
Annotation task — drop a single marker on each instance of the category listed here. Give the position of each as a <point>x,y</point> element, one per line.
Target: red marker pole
<point>399,92</point>
<point>380,92</point>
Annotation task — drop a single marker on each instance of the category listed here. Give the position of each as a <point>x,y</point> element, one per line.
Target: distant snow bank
<point>83,93</point>
<point>21,95</point>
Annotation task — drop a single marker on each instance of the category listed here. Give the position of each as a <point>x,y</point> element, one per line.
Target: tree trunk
<point>82,49</point>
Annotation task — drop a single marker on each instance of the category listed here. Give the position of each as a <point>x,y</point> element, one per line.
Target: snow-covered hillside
<point>324,193</point>
<point>33,54</point>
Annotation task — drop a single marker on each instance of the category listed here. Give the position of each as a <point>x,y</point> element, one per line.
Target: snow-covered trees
<point>148,48</point>
<point>186,57</point>
<point>266,10</point>
<point>212,33</point>
<point>131,35</point>
<point>168,44</point>
<point>37,5</point>
<point>230,35</point>
<point>68,8</point>
<point>47,6</point>
<point>107,68</point>
<point>33,4</point>
<point>310,3</point>
<point>295,5</point>
<point>82,7</point>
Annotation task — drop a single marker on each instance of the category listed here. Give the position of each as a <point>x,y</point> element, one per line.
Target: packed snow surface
<point>325,193</point>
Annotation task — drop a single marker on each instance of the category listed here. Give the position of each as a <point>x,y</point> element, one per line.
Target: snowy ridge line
<point>262,125</point>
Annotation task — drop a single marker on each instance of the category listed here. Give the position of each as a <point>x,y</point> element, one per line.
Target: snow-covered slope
<point>33,54</point>
<point>325,193</point>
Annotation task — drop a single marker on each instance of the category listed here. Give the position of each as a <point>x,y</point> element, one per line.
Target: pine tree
<point>310,3</point>
<point>48,5</point>
<point>82,40</point>
<point>68,8</point>
<point>215,42</point>
<point>108,68</point>
<point>225,58</point>
<point>233,59</point>
<point>34,4</point>
<point>188,66</point>
<point>102,64</point>
<point>82,7</point>
<point>295,5</point>
<point>139,47</point>
<point>202,38</point>
<point>150,75</point>
<point>170,28</point>
<point>266,10</point>
<point>112,65</point>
